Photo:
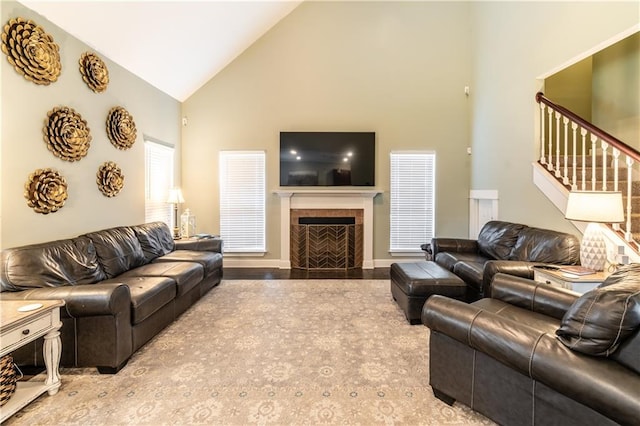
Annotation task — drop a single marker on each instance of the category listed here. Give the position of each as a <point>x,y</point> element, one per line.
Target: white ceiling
<point>177,46</point>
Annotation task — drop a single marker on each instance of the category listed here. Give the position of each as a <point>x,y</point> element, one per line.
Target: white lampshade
<point>594,207</point>
<point>175,196</point>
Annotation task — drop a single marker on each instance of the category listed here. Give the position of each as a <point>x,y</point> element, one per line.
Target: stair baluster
<point>552,143</point>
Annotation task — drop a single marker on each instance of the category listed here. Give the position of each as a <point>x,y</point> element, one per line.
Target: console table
<point>22,322</point>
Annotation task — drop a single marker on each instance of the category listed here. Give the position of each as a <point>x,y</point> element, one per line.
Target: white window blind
<point>158,167</point>
<point>412,200</point>
<point>242,201</point>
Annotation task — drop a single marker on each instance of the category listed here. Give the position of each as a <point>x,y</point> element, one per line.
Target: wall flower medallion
<point>31,51</point>
<point>45,191</point>
<point>110,179</point>
<point>94,72</point>
<point>66,134</point>
<point>121,128</point>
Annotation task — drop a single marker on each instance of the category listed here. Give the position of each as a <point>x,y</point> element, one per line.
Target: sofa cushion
<point>155,239</point>
<point>546,246</point>
<point>52,264</point>
<point>600,320</point>
<point>497,239</point>
<point>211,262</point>
<point>148,294</point>
<point>118,250</point>
<point>539,321</point>
<point>187,275</point>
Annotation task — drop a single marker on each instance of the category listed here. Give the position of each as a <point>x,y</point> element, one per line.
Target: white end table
<point>22,322</point>
<point>578,283</point>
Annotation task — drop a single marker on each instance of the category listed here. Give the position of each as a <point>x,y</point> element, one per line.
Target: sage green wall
<point>571,88</point>
<point>616,90</point>
<point>604,89</point>
<point>24,107</point>
<point>515,43</point>
<point>396,68</point>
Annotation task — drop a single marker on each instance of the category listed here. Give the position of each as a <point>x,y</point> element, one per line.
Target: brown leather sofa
<point>507,247</point>
<point>121,286</point>
<point>536,354</point>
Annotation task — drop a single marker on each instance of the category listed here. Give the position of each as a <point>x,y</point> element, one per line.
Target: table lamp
<point>594,207</point>
<point>175,198</point>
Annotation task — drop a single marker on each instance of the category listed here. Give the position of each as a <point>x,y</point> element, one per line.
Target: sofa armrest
<point>454,245</point>
<point>482,330</point>
<point>599,383</point>
<point>512,267</point>
<point>202,244</point>
<point>81,300</point>
<point>531,295</point>
<point>518,268</point>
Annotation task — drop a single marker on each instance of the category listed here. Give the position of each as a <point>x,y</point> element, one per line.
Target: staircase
<point>575,155</point>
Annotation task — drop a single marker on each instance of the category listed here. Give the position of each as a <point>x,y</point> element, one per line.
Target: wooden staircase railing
<point>584,157</point>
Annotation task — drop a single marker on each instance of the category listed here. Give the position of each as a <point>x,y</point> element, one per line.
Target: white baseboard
<point>243,262</point>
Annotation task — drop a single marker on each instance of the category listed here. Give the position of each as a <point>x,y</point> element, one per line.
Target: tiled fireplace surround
<point>297,203</point>
<point>326,245</point>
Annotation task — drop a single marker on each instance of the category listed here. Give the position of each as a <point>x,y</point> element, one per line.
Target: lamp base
<point>176,227</point>
<point>593,249</point>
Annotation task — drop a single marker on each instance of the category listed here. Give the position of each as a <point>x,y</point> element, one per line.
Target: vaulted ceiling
<point>176,46</point>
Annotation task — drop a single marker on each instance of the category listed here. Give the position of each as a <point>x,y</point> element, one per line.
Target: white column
<point>483,207</point>
<point>285,229</point>
<point>367,218</point>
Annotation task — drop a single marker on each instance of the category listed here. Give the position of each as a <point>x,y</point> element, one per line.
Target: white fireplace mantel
<point>329,198</point>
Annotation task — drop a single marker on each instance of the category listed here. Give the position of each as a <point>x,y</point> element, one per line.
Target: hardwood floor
<point>298,274</point>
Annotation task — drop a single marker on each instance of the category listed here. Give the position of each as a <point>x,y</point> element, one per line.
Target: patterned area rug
<point>281,352</point>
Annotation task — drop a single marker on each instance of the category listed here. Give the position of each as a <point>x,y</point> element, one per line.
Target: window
<point>412,200</point>
<point>158,168</point>
<point>242,201</point>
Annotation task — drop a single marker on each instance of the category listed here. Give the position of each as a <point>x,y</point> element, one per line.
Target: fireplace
<point>326,238</point>
<point>357,203</point>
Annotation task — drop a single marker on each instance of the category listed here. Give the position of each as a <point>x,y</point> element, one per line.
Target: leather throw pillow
<point>601,319</point>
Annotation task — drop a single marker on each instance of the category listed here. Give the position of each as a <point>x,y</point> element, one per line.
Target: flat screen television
<point>327,158</point>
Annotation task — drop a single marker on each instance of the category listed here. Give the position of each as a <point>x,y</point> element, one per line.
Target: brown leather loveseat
<point>507,247</point>
<point>537,354</point>
<point>121,286</point>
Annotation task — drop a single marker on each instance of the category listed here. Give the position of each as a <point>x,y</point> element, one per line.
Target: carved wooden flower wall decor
<point>110,179</point>
<point>66,134</point>
<point>46,191</point>
<point>121,128</point>
<point>31,51</point>
<point>94,72</point>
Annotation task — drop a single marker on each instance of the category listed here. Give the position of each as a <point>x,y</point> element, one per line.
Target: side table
<point>578,283</point>
<point>21,322</point>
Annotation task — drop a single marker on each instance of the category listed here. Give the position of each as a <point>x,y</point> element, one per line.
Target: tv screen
<point>327,158</point>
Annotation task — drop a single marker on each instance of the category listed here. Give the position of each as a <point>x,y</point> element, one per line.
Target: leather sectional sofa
<point>507,247</point>
<point>121,286</point>
<point>541,355</point>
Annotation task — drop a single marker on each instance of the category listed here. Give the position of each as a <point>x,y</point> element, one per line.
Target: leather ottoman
<point>413,283</point>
